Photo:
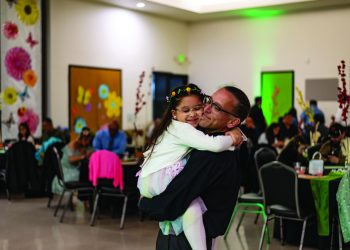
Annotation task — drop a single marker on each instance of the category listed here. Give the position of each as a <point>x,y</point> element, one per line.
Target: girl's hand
<point>237,136</point>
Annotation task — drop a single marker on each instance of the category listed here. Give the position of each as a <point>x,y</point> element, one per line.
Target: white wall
<point>237,50</point>
<point>93,34</point>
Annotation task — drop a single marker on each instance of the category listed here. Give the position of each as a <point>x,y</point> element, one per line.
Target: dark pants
<point>173,242</point>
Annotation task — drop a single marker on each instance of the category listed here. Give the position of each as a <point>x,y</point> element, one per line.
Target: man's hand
<point>333,159</point>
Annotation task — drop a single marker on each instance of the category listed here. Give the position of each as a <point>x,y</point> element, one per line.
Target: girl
<point>24,133</point>
<point>167,154</point>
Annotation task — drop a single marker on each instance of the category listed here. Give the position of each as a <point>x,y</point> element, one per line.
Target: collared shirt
<point>117,145</point>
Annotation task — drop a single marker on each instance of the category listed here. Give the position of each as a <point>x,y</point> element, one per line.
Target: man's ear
<point>233,123</point>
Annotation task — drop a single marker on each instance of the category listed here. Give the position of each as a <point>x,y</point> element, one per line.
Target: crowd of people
<point>192,170</point>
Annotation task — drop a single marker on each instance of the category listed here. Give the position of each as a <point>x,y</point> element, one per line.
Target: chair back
<point>59,170</point>
<point>105,164</point>
<point>279,184</point>
<point>50,165</point>
<point>21,168</point>
<point>264,155</point>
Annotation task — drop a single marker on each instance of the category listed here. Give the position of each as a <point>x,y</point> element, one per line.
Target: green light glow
<point>260,13</point>
<point>277,90</point>
<point>181,58</point>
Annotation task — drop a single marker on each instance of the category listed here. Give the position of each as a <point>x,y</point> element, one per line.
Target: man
<point>111,138</point>
<point>215,177</point>
<point>257,115</point>
<point>49,131</point>
<point>334,151</point>
<point>311,111</point>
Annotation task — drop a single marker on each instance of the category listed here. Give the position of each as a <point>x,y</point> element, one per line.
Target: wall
<point>237,50</point>
<point>94,34</point>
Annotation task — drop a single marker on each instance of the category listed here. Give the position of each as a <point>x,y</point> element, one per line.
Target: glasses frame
<point>209,101</point>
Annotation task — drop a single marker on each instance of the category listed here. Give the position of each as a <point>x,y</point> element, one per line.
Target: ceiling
<point>272,7</point>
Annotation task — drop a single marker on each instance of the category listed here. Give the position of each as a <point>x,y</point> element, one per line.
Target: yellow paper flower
<point>173,93</point>
<point>10,95</point>
<point>188,89</point>
<point>30,78</point>
<point>113,104</point>
<point>27,11</point>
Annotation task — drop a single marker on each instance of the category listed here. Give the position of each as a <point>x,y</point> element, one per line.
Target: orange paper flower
<point>30,78</point>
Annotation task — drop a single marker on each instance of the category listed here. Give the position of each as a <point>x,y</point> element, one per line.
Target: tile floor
<point>27,224</point>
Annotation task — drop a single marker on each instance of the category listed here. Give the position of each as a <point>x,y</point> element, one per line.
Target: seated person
<point>293,152</point>
<point>73,154</point>
<point>111,138</point>
<point>272,137</point>
<point>49,131</point>
<point>24,133</point>
<point>317,133</point>
<point>333,150</point>
<point>288,129</point>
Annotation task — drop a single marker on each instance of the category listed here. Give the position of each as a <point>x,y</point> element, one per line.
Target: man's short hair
<point>243,106</point>
<point>257,99</point>
<point>313,102</point>
<point>335,130</point>
<point>48,120</point>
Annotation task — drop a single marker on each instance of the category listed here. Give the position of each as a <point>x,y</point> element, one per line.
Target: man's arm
<point>97,143</point>
<point>121,144</point>
<point>199,173</point>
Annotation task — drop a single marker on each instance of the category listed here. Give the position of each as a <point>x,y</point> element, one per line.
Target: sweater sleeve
<point>194,138</point>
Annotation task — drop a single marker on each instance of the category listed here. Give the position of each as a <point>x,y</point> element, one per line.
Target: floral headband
<point>183,91</point>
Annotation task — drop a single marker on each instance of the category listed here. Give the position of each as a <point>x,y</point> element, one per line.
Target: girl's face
<point>189,110</point>
<point>22,130</point>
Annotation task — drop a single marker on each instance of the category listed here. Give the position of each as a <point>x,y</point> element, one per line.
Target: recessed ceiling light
<point>140,5</point>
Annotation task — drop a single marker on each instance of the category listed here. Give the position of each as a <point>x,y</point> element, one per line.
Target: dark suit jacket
<point>215,177</point>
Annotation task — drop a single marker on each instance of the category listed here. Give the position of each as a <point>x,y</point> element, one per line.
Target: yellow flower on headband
<point>173,93</point>
<point>188,89</point>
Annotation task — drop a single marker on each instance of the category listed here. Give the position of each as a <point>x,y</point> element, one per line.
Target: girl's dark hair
<point>25,125</point>
<point>173,100</point>
<point>269,132</point>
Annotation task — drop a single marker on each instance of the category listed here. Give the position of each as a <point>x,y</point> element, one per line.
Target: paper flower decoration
<point>31,118</point>
<point>103,91</point>
<point>79,124</point>
<point>343,96</point>
<point>10,30</point>
<point>21,111</point>
<point>27,11</point>
<point>113,104</point>
<point>30,78</point>
<point>10,95</point>
<point>17,61</point>
<point>31,41</point>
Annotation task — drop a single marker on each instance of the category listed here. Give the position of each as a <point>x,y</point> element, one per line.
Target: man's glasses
<point>209,101</point>
<point>188,110</point>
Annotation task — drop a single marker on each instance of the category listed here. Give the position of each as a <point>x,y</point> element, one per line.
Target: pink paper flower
<point>17,61</point>
<point>31,118</point>
<point>10,30</point>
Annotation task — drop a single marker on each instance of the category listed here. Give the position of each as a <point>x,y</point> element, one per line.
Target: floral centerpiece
<point>139,104</point>
<point>344,103</point>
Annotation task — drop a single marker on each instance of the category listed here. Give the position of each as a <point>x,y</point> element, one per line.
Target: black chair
<point>279,185</point>
<point>51,168</point>
<point>70,186</point>
<point>105,188</point>
<point>3,180</point>
<point>22,172</point>
<point>252,200</point>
